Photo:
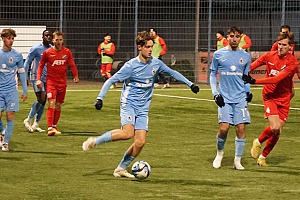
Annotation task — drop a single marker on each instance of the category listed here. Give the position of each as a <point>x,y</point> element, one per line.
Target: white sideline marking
<point>178,97</point>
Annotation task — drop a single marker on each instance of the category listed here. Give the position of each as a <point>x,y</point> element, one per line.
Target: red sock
<point>266,134</point>
<point>270,145</point>
<point>56,116</point>
<point>50,116</point>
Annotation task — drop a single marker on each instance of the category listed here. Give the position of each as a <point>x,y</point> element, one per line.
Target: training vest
<point>220,43</point>
<point>157,49</point>
<point>106,58</point>
<point>242,43</point>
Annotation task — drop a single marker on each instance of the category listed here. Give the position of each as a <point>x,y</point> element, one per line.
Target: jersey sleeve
<point>274,46</point>
<point>213,75</point>
<point>31,55</point>
<point>248,42</point>
<point>259,62</point>
<point>163,46</point>
<point>42,63</point>
<point>72,64</point>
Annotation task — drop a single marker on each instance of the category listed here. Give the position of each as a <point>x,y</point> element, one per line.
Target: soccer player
<point>277,93</point>
<point>138,75</point>
<point>11,63</point>
<point>33,58</point>
<point>57,59</point>
<point>107,50</point>
<point>233,95</point>
<point>245,42</point>
<point>222,41</point>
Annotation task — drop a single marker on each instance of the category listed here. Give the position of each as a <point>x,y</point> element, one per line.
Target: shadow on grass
<point>40,152</point>
<point>76,133</point>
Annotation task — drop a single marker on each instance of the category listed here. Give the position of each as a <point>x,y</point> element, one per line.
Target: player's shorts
<point>36,89</point>
<point>234,113</point>
<point>130,116</point>
<point>275,107</point>
<point>106,68</point>
<point>9,101</point>
<point>56,92</point>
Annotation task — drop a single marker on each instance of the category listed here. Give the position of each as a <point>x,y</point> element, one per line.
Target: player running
<point>281,67</point>
<point>139,75</point>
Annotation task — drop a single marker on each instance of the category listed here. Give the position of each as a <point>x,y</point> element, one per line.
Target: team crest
<point>64,57</point>
<point>129,118</point>
<point>241,61</point>
<point>153,71</point>
<point>11,60</point>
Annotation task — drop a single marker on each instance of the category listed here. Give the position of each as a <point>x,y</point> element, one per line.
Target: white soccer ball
<point>141,169</point>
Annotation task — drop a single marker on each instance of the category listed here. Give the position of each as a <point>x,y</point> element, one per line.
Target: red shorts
<point>56,92</point>
<point>275,107</point>
<point>106,68</point>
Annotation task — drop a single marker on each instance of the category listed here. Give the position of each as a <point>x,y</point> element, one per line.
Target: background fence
<point>188,27</point>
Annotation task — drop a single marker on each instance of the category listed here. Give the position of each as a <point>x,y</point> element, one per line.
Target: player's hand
<point>248,79</point>
<point>195,88</point>
<point>24,97</point>
<point>98,104</point>
<point>219,100</point>
<point>76,79</point>
<point>39,84</point>
<point>249,97</point>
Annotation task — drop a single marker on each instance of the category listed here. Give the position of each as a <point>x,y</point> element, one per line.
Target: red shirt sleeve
<point>111,52</point>
<point>259,62</point>
<point>225,42</point>
<point>163,46</point>
<point>99,49</point>
<point>248,42</point>
<point>274,46</point>
<point>72,64</point>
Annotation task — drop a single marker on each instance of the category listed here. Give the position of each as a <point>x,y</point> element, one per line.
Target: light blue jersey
<point>11,63</point>
<point>231,66</point>
<point>33,58</point>
<point>139,79</point>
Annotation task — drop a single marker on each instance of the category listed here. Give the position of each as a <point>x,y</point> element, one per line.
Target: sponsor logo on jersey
<point>233,68</point>
<point>58,62</point>
<point>273,72</point>
<point>271,63</point>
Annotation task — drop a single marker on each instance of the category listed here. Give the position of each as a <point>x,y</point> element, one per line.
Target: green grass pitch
<point>180,149</point>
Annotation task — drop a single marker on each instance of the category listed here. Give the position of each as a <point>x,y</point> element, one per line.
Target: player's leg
<point>51,96</point>
<point>224,124</point>
<point>103,71</point>
<point>2,130</point>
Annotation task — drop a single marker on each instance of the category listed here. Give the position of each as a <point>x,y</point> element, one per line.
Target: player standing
<point>281,67</point>
<point>33,58</point>
<point>57,59</point>
<point>11,63</point>
<point>138,75</point>
<point>232,97</point>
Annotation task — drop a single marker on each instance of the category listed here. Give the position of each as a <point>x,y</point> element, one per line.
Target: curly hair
<point>143,37</point>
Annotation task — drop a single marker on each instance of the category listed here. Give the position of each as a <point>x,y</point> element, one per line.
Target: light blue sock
<point>9,130</point>
<point>1,126</point>
<point>126,160</point>
<point>106,137</point>
<point>34,108</point>
<point>239,146</point>
<point>39,113</point>
<point>221,143</point>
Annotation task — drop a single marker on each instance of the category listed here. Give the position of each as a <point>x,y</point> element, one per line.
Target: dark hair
<point>154,29</point>
<point>107,34</point>
<point>286,27</point>
<point>235,29</point>
<point>143,37</point>
<point>46,31</point>
<point>289,36</point>
<point>221,32</point>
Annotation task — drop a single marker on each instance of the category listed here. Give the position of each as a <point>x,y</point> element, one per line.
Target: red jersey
<point>57,65</point>
<point>279,76</point>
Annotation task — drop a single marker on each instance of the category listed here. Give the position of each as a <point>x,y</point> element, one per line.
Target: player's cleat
<point>218,159</point>
<point>27,125</point>
<point>2,137</point>
<point>89,144</point>
<point>255,150</point>
<point>120,172</point>
<point>52,131</point>
<point>237,165</point>
<point>167,85</point>
<point>156,85</point>
<point>57,131</point>
<point>262,162</point>
<point>5,147</point>
<point>36,127</point>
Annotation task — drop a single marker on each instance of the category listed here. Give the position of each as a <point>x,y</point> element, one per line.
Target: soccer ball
<point>141,170</point>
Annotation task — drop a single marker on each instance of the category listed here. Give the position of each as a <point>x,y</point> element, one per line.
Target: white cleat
<point>89,144</point>
<point>36,127</point>
<point>237,164</point>
<point>27,125</point>
<point>5,147</point>
<point>120,172</point>
<point>218,159</point>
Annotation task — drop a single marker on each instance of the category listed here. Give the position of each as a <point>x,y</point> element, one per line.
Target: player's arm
<point>111,51</point>
<point>31,55</point>
<point>40,70</point>
<point>225,42</point>
<point>258,62</point>
<point>275,79</point>
<point>73,67</point>
<point>274,46</point>
<point>23,77</point>
<point>248,42</point>
<point>163,46</point>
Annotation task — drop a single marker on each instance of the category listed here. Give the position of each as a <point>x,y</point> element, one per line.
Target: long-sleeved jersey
<point>231,66</point>
<point>57,65</point>
<point>139,79</point>
<point>11,63</point>
<point>279,76</point>
<point>34,56</point>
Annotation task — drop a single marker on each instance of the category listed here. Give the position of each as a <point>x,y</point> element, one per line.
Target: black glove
<point>219,100</point>
<point>249,97</point>
<point>98,104</point>
<point>195,88</point>
<point>248,79</point>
